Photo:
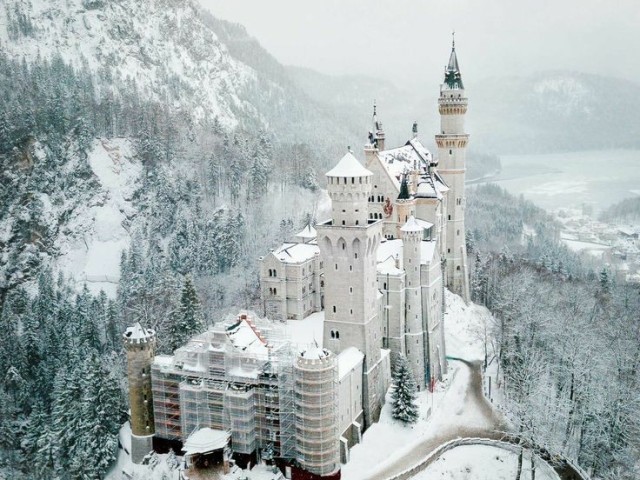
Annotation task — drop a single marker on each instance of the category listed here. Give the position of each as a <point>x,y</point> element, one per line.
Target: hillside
<point>554,111</point>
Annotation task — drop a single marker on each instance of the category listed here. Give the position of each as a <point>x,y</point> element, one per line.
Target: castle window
<point>350,311</point>
<point>458,267</point>
<point>275,291</point>
<point>345,180</point>
<point>449,217</point>
<point>336,266</point>
<point>360,179</point>
<point>353,180</point>
<point>458,232</point>
<point>343,222</point>
<point>337,334</point>
<point>334,309</point>
<point>385,285</point>
<point>448,250</point>
<point>351,268</point>
<point>350,289</point>
<point>275,274</point>
<point>357,222</point>
<point>333,334</point>
<point>355,255</point>
<point>450,151</point>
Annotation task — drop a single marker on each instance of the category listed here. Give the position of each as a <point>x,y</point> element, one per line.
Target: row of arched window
<point>273,291</point>
<point>376,198</point>
<point>375,216</point>
<point>272,272</point>
<point>335,334</point>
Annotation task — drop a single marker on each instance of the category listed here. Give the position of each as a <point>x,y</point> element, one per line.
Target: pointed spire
<point>452,75</point>
<point>404,189</point>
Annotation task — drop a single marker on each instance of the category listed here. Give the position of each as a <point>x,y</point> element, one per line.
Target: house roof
<point>349,166</point>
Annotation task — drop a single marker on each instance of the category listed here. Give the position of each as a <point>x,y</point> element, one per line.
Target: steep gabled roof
<point>349,166</point>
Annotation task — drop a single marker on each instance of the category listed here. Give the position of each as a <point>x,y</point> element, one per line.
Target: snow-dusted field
<point>482,462</point>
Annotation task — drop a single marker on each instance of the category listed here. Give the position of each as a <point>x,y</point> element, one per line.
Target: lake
<point>552,181</point>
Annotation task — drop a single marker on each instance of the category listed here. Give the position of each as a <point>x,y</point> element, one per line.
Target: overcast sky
<point>408,39</point>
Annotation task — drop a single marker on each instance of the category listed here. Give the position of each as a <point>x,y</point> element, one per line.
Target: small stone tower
<point>140,344</point>
<point>415,336</point>
<point>405,205</point>
<point>452,146</point>
<point>348,244</point>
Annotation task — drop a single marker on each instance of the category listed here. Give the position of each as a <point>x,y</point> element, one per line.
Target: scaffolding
<point>316,412</point>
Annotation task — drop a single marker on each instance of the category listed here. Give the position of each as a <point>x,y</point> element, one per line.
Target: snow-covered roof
<point>307,233</point>
<point>314,352</point>
<point>138,334</point>
<point>244,336</point>
<point>412,225</point>
<point>308,330</point>
<point>408,157</point>
<point>206,440</point>
<point>349,166</point>
<point>388,267</point>
<point>297,252</point>
<point>389,250</point>
<point>348,359</point>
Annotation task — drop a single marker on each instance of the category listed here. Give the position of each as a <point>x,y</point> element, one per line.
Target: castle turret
<point>405,205</point>
<point>452,145</point>
<point>348,244</point>
<point>316,379</point>
<point>416,352</point>
<point>140,344</point>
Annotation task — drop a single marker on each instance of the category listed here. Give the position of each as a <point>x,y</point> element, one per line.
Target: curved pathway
<point>465,417</point>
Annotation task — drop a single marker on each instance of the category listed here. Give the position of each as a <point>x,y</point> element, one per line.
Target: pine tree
<point>404,393</point>
<point>187,320</point>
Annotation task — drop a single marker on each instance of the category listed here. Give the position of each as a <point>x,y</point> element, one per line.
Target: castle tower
<point>348,244</point>
<point>452,146</point>
<point>415,344</point>
<point>140,344</point>
<point>316,380</point>
<point>405,206</point>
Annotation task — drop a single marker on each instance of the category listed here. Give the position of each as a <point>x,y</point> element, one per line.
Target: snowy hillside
<point>189,68</point>
<point>98,233</point>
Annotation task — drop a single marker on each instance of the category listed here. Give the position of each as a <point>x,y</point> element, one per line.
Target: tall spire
<point>452,75</point>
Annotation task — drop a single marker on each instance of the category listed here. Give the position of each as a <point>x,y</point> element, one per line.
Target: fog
<point>405,40</point>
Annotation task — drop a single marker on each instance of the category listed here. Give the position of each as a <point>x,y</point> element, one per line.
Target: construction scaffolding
<point>316,400</point>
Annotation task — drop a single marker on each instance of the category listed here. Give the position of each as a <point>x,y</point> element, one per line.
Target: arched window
<point>334,309</point>
<point>275,274</point>
<point>337,334</point>
<point>275,291</point>
<point>458,267</point>
<point>333,334</point>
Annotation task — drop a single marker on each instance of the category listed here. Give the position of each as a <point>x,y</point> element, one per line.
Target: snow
<point>482,462</point>
<point>388,267</point>
<point>314,352</point>
<point>411,225</point>
<point>390,250</point>
<point>296,252</point>
<point>399,160</point>
<point>92,254</point>
<point>307,233</point>
<point>349,166</point>
<point>457,405</point>
<point>348,359</point>
<point>243,336</point>
<point>307,331</point>
<point>206,440</point>
<point>138,334</point>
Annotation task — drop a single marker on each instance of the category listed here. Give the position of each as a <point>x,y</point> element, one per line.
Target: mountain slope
<point>554,111</point>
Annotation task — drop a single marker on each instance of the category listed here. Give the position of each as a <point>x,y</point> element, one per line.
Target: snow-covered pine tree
<point>404,393</point>
<point>187,320</point>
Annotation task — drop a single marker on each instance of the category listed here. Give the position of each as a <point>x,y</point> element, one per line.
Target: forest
<point>566,337</point>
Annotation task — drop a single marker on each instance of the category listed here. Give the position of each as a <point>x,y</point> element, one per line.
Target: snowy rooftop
<point>244,336</point>
<point>206,440</point>
<point>308,330</point>
<point>349,166</point>
<point>138,334</point>
<point>297,252</point>
<point>411,155</point>
<point>412,225</point>
<point>348,359</point>
<point>314,352</point>
<point>307,233</point>
<point>389,250</point>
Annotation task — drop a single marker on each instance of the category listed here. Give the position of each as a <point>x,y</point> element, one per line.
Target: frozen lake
<point>597,178</point>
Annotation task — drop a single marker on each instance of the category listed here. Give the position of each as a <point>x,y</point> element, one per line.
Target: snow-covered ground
<point>456,409</point>
<point>92,254</point>
<point>482,462</point>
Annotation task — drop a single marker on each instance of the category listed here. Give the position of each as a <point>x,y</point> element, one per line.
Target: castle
<point>343,298</point>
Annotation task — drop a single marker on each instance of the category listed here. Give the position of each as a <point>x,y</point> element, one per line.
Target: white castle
<point>367,283</point>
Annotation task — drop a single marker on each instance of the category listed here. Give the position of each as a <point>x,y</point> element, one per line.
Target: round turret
<point>349,186</point>
<point>140,345</point>
<point>316,378</point>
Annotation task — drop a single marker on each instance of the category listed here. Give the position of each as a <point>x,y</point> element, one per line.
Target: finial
<point>349,148</point>
<point>453,40</point>
<point>414,129</point>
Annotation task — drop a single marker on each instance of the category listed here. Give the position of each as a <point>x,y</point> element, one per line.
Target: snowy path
<point>465,412</point>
